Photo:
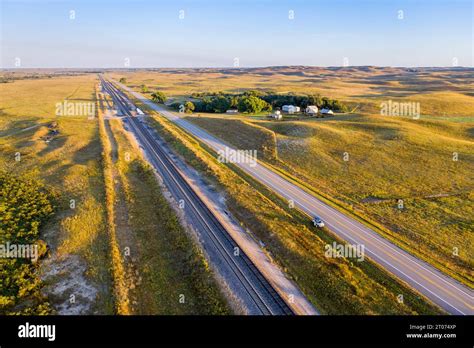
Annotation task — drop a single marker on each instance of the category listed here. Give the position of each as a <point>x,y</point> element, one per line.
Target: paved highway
<point>449,294</point>
<point>265,298</point>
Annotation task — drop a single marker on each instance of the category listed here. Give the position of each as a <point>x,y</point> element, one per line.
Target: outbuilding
<point>327,112</point>
<point>312,110</point>
<point>290,109</point>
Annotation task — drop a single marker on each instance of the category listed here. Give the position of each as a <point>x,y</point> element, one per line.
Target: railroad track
<point>264,296</point>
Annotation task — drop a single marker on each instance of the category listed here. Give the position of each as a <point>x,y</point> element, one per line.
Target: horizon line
<point>247,67</point>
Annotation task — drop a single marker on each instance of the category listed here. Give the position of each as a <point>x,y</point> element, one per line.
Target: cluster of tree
<point>24,206</point>
<point>221,102</point>
<point>123,80</point>
<point>254,101</point>
<point>218,103</point>
<point>278,100</point>
<point>158,97</point>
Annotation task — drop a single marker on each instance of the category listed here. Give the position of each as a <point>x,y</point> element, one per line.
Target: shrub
<point>24,206</point>
<point>158,97</point>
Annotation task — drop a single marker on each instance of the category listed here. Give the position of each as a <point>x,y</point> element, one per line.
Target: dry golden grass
<point>167,261</point>
<point>70,164</point>
<point>121,291</point>
<point>334,286</point>
<point>444,93</point>
<point>73,165</point>
<point>389,159</point>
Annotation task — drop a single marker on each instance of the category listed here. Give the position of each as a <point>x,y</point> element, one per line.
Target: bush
<point>24,206</point>
<point>189,107</point>
<point>158,97</point>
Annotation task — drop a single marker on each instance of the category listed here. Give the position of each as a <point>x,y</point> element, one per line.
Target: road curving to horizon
<point>449,294</point>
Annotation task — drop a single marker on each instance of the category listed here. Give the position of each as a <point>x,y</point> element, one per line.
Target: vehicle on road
<point>318,222</point>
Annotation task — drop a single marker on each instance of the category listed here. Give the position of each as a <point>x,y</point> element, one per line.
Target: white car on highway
<point>318,222</point>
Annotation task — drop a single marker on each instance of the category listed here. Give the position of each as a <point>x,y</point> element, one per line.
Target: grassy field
<point>113,202</point>
<point>389,159</point>
<point>67,155</point>
<point>70,165</point>
<point>335,286</point>
<point>441,93</point>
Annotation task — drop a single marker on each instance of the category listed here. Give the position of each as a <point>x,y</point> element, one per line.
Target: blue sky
<point>147,33</point>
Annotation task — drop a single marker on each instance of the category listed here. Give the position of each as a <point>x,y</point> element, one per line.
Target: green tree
<point>158,97</point>
<point>234,101</point>
<point>189,107</point>
<point>123,80</point>
<point>144,88</point>
<point>220,104</point>
<point>315,100</point>
<point>252,104</point>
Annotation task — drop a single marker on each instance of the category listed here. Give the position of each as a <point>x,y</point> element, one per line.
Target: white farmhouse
<point>290,109</point>
<point>312,110</point>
